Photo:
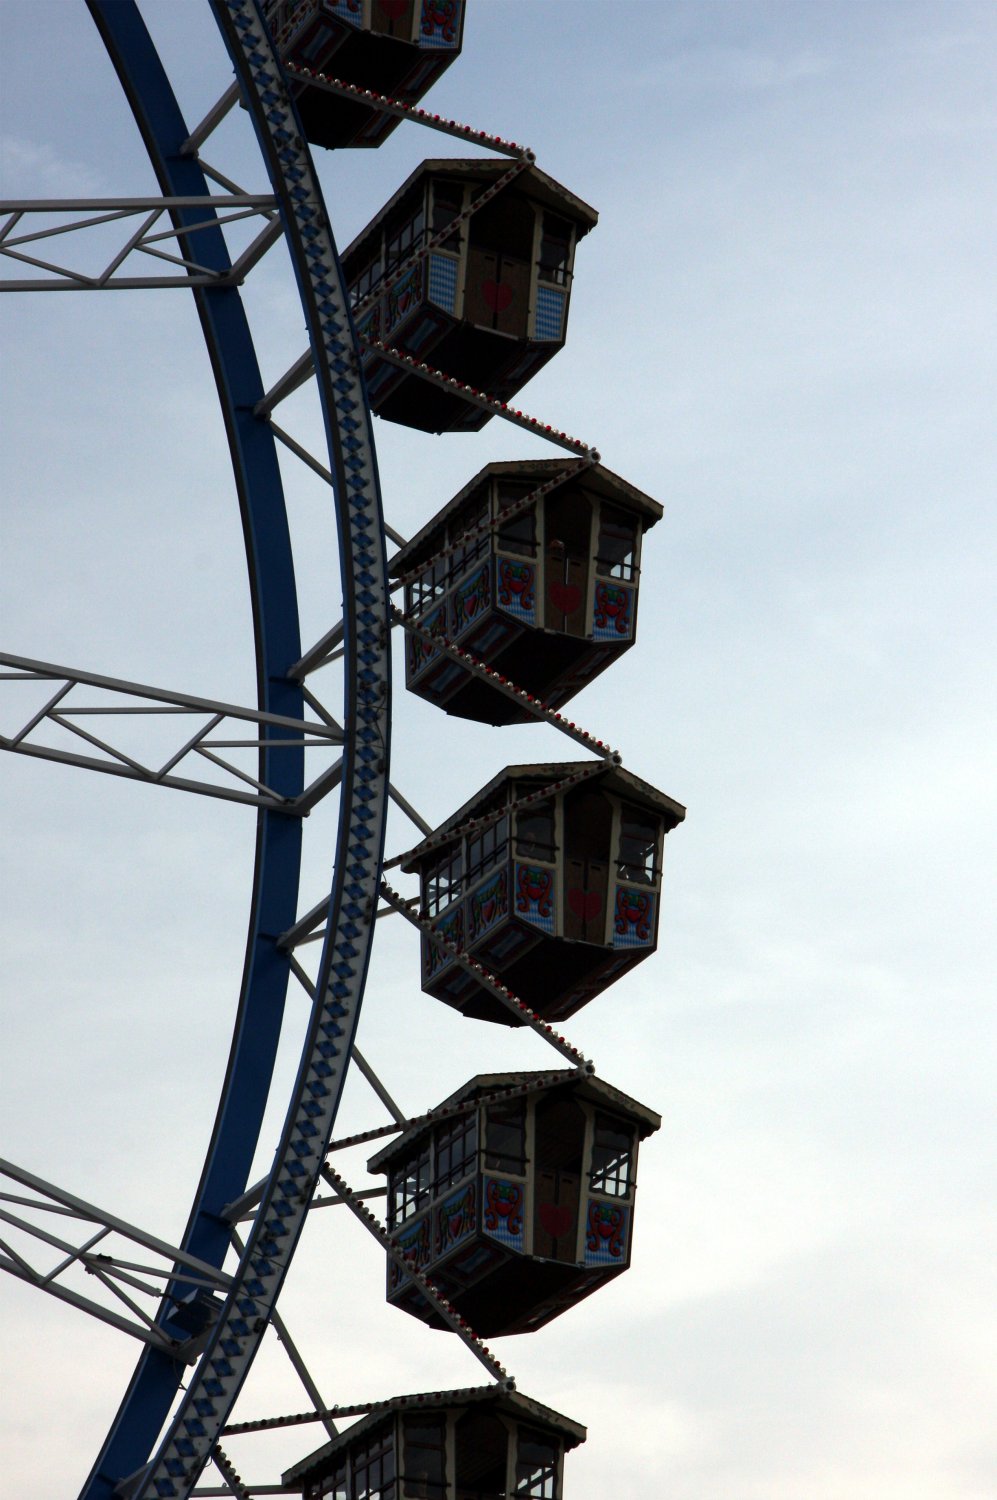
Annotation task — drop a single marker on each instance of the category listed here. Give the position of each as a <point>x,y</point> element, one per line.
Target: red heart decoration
<point>565,596</point>
<point>393,9</point>
<point>585,904</point>
<point>555,1219</point>
<point>497,294</point>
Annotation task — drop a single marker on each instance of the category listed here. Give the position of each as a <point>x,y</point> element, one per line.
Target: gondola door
<point>560,1140</point>
<point>497,293</point>
<point>568,554</point>
<point>394,18</point>
<point>588,830</point>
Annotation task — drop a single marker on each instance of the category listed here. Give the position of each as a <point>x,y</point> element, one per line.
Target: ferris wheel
<point>513,1198</point>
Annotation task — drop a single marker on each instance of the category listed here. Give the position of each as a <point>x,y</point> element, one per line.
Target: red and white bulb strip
<point>429,1290</point>
<point>475,397</point>
<point>492,983</point>
<point>509,514</point>
<point>535,706</point>
<point>387,105</point>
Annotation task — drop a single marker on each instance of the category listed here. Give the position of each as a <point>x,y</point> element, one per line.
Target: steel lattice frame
<point>239,1326</point>
<point>150,1452</point>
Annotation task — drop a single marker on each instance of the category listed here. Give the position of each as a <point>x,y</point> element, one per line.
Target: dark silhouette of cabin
<point>519,1205</point>
<point>394,47</point>
<point>483,1443</point>
<point>548,597</point>
<point>556,895</point>
<point>488,306</point>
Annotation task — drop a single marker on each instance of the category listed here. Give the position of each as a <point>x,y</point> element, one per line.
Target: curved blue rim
<point>156,1379</point>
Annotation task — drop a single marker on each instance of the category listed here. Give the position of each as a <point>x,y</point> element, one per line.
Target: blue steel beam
<point>234,1340</point>
<point>154,1384</point>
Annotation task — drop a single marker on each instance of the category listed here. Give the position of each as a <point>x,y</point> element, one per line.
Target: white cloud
<point>37,169</point>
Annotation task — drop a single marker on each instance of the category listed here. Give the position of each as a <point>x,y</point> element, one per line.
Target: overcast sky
<point>783,329</point>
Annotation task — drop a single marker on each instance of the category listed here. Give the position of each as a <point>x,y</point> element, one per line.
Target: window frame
<point>408,236</point>
<point>615,1176</point>
<point>429,1488</point>
<point>495,1158</point>
<point>537,1478</point>
<point>370,277</point>
<point>409,1186</point>
<point>631,865</point>
<point>376,1456</point>
<point>457,1142</point>
<point>485,849</point>
<point>624,569</point>
<point>429,586</point>
<point>466,555</point>
<point>525,848</point>
<point>436,221</point>
<point>507,494</point>
<point>555,272</point>
<point>444,881</point>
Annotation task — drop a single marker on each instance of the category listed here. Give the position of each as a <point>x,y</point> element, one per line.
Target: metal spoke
<point>81,1209</point>
<point>111,1271</point>
<point>211,121</point>
<point>142,239</point>
<point>294,1355</point>
<point>321,733</point>
<point>315,466</point>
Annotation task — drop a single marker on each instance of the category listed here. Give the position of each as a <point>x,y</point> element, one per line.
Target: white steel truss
<point>25,1219</point>
<point>63,711</point>
<point>149,230</point>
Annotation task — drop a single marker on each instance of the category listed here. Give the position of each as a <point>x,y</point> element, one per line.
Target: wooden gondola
<point>547,596</point>
<point>518,1202</point>
<point>550,877</point>
<point>487,306</point>
<point>393,47</point>
<point>483,1443</point>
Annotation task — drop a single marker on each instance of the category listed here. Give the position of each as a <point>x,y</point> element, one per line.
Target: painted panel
<point>414,1242</point>
<point>488,905</point>
<point>404,296</point>
<point>422,653</point>
<point>440,27</point>
<point>369,324</point>
<point>350,11</point>
<point>556,1207</point>
<point>633,922</point>
<point>612,615</point>
<point>504,944</point>
<point>425,333</point>
<point>607,1234</point>
<point>470,600</point>
<point>443,281</point>
<point>456,1219</point>
<point>548,322</point>
<point>439,683</point>
<point>535,892</point>
<point>450,927</point>
<point>516,589</point>
<point>492,635</point>
<point>504,1204</point>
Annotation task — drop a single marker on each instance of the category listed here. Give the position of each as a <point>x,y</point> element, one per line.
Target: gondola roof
<point>623,783</point>
<point>604,482</point>
<point>486,170</point>
<point>512,1403</point>
<point>594,1089</point>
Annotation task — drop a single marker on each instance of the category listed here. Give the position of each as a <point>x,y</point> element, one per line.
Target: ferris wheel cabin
<point>483,1443</point>
<point>544,593</point>
<point>487,306</point>
<point>394,47</point>
<point>550,878</point>
<point>519,1202</point>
